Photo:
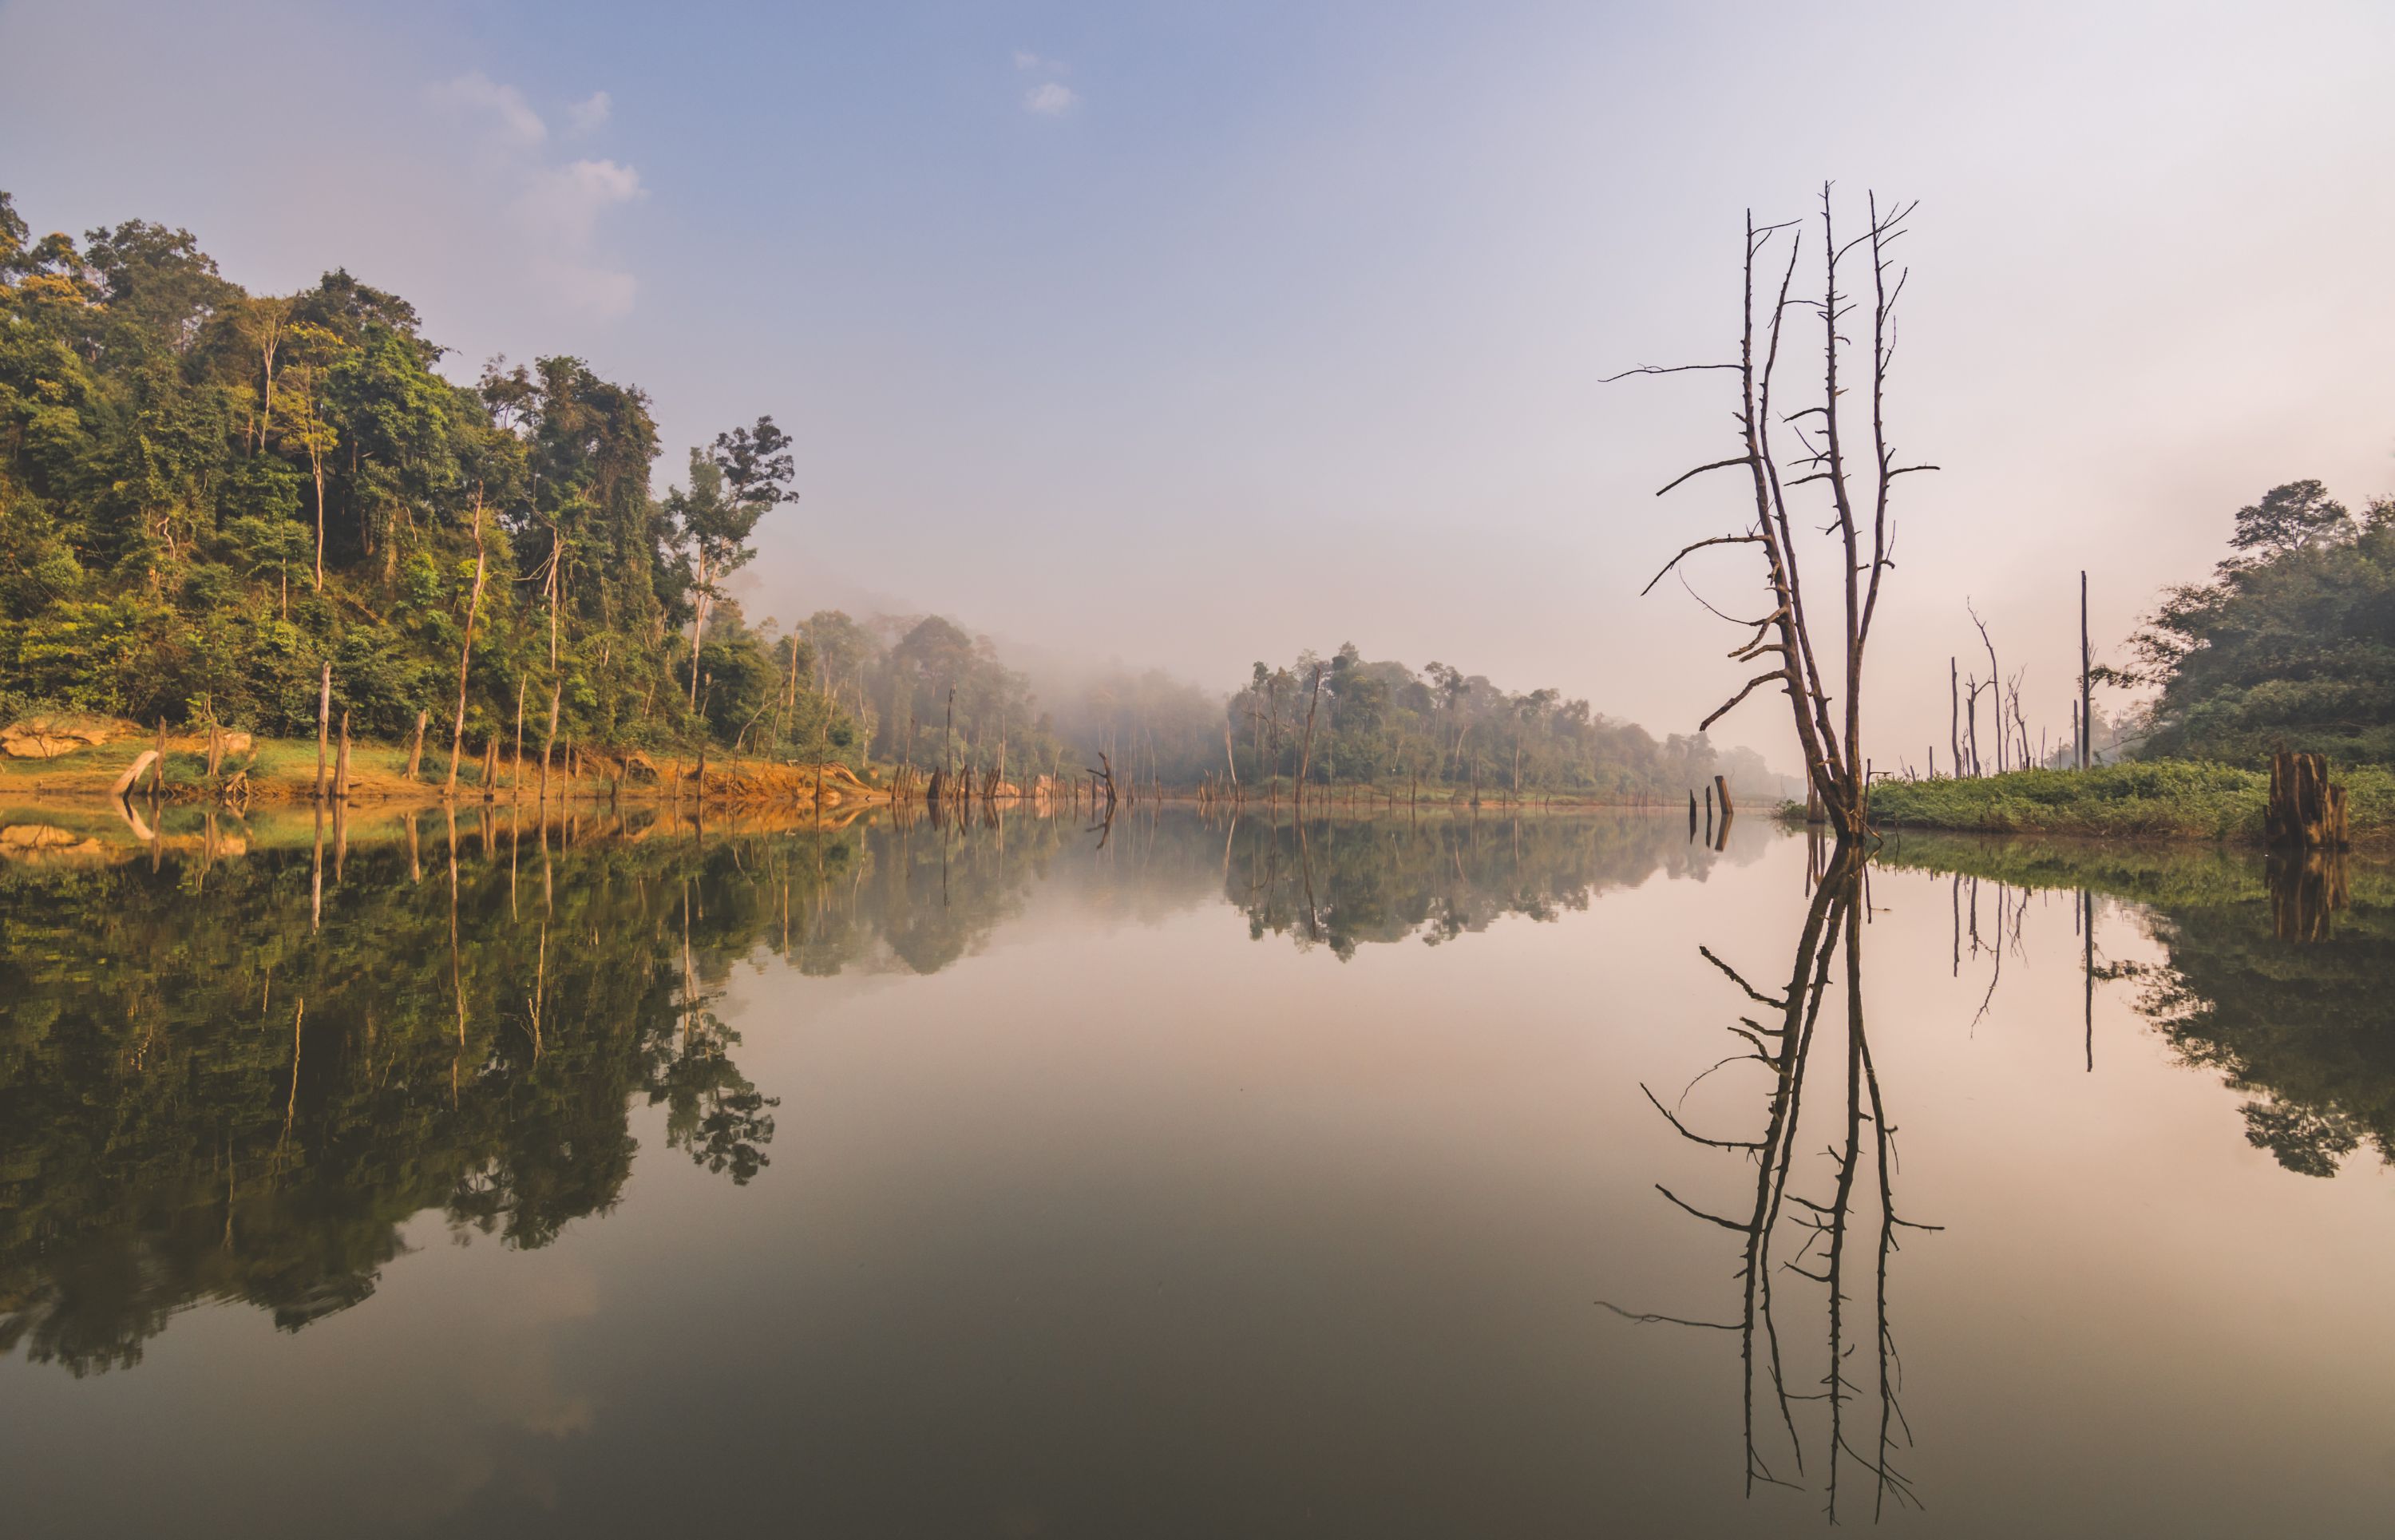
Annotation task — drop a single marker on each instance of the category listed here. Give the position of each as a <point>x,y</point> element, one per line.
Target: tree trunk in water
<point>324,728</point>
<point>466,651</point>
<point>2304,812</point>
<point>415,744</point>
<point>547,744</point>
<point>341,766</point>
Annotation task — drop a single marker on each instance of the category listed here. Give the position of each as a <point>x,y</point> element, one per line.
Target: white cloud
<point>554,207</point>
<point>518,126</point>
<point>1052,99</point>
<point>592,112</point>
<point>1025,60</point>
<point>562,203</point>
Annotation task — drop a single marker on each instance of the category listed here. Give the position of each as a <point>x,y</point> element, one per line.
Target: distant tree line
<point>1385,724</point>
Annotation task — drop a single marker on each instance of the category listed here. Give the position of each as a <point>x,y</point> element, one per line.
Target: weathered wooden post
<point>1721,788</point>
<point>341,766</point>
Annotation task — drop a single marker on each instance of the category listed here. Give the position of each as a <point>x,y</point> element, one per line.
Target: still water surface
<point>1460,1176</point>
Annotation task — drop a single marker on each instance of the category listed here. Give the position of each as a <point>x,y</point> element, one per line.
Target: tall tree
<point>747,472</point>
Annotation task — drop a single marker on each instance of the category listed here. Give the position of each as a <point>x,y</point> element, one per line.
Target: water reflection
<point>1235,1175</point>
<point>1803,1209</point>
<point>2273,972</point>
<point>1348,882</point>
<point>237,1055</point>
<point>234,1079</point>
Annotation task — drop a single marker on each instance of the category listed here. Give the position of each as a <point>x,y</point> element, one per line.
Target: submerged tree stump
<point>2304,812</point>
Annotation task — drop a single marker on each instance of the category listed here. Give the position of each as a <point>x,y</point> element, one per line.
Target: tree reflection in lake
<point>1342,883</point>
<point>235,1059</point>
<point>2273,974</point>
<point>218,1080</point>
<point>1859,1177</point>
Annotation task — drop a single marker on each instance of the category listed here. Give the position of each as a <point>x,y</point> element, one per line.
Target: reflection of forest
<point>1345,882</point>
<point>206,1093</point>
<point>2286,1000</point>
<point>235,1059</point>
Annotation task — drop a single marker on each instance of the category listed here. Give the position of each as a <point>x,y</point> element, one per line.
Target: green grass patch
<point>2148,799</point>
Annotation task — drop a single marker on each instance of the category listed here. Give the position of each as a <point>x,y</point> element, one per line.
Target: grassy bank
<point>2158,799</point>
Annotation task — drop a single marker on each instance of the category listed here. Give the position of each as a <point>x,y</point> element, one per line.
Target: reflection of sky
<point>1334,282</point>
<point>1152,1229</point>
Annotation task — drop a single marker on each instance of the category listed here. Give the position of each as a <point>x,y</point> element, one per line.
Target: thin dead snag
<point>1860,502</point>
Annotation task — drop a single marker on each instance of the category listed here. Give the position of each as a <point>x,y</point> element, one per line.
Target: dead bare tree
<point>1994,674</point>
<point>1860,502</point>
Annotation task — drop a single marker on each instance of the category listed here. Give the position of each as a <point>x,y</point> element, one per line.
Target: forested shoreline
<point>209,496</point>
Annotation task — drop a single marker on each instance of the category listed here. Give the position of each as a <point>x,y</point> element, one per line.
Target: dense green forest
<point>2291,644</point>
<point>206,495</point>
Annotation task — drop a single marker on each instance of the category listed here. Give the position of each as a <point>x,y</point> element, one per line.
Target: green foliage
<point>2292,646</point>
<point>176,454</point>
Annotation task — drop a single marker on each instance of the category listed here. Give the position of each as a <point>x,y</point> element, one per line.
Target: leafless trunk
<point>698,629</point>
<point>1833,752</point>
<point>415,744</point>
<point>341,766</point>
<point>316,460</point>
<point>1954,713</point>
<point>1995,677</point>
<point>465,649</point>
<point>1305,760</point>
<point>2086,669</point>
<point>324,728</point>
<point>556,693</point>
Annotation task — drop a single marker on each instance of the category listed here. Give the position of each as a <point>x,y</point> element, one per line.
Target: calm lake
<point>1198,1177</point>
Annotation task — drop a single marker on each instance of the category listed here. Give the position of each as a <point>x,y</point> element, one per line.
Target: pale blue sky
<point>1190,334</point>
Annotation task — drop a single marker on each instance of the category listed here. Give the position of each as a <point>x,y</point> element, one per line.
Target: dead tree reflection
<point>1781,1041</point>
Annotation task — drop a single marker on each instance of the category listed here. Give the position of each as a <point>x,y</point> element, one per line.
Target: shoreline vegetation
<point>2141,800</point>
<point>282,773</point>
